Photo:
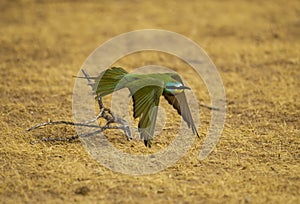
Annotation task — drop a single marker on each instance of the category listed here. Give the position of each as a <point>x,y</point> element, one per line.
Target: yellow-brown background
<point>254,44</point>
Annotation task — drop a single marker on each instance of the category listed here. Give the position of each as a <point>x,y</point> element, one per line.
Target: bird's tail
<point>109,81</point>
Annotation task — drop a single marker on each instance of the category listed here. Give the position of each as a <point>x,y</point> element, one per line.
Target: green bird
<point>146,90</point>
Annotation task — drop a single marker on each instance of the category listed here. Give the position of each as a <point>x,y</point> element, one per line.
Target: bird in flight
<point>146,90</point>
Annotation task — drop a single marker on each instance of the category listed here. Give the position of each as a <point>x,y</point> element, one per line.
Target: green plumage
<point>146,90</point>
<point>108,81</point>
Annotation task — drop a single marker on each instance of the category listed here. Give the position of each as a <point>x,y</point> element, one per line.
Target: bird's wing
<point>109,81</point>
<point>145,105</point>
<point>179,102</point>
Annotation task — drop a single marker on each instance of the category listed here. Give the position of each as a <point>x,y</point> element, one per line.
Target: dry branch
<point>104,113</point>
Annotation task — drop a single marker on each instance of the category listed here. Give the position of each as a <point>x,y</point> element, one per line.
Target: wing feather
<point>179,102</point>
<point>145,104</point>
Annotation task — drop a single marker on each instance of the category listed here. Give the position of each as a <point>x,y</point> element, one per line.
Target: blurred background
<point>255,46</point>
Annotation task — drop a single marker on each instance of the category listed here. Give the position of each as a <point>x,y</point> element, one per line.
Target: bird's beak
<point>185,87</point>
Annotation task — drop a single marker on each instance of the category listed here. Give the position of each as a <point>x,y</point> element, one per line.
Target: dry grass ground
<point>255,46</point>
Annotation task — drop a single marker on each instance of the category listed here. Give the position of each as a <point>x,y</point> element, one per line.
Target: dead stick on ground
<point>59,122</point>
<point>105,113</point>
<point>209,107</point>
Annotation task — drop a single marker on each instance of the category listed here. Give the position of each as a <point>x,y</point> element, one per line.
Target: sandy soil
<point>255,46</point>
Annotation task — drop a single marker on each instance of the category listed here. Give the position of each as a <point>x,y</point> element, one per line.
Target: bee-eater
<point>146,90</point>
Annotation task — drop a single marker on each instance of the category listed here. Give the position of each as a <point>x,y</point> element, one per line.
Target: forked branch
<point>104,113</point>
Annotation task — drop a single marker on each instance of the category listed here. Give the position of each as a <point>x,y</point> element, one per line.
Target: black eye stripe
<point>178,88</point>
<point>172,87</point>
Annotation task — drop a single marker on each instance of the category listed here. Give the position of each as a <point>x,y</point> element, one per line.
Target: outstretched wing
<point>179,102</point>
<point>109,81</point>
<point>145,105</point>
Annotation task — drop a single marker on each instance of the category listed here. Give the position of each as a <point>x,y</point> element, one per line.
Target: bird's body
<point>146,90</point>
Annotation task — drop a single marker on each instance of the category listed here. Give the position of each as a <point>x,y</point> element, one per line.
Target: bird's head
<point>175,87</point>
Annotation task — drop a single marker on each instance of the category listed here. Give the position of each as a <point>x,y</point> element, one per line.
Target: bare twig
<point>209,107</point>
<point>60,122</point>
<point>88,78</point>
<point>114,119</point>
<point>74,137</point>
<point>104,113</point>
